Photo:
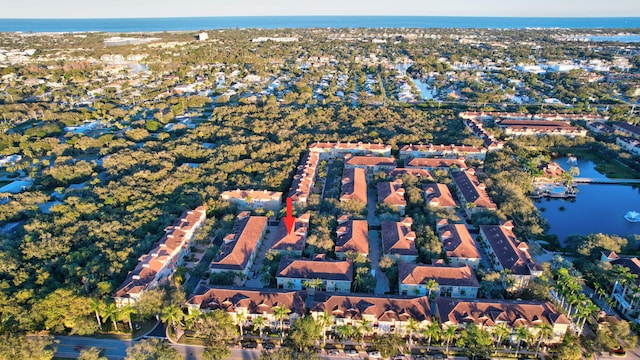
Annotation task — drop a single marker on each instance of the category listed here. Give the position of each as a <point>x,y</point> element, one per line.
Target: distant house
<point>392,194</point>
<point>398,240</point>
<point>453,281</point>
<point>622,294</point>
<point>459,247</point>
<point>292,243</point>
<point>250,303</point>
<point>629,144</point>
<point>354,185</point>
<point>508,253</point>
<point>627,129</point>
<point>436,164</point>
<point>446,151</point>
<point>336,276</point>
<point>487,314</point>
<point>332,150</point>
<point>352,236</point>
<point>254,199</point>
<point>438,195</point>
<point>472,193</point>
<point>161,262</point>
<point>238,249</point>
<point>539,127</point>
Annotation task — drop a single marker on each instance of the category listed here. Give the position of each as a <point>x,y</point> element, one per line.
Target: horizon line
<point>329,15</point>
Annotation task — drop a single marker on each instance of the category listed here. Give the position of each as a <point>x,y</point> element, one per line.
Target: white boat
<point>632,216</point>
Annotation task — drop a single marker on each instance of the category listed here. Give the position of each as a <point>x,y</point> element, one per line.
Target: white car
<point>374,355</point>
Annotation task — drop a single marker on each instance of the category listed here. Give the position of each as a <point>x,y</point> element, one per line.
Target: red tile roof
<point>484,312</point>
<point>370,161</point>
<point>313,269</point>
<point>164,254</point>
<point>412,274</point>
<point>439,195</point>
<point>255,301</point>
<point>510,252</point>
<point>419,173</point>
<point>473,191</point>
<point>384,309</point>
<point>354,185</point>
<point>238,246</point>
<point>391,193</point>
<point>296,239</point>
<point>397,238</point>
<point>353,235</point>
<point>457,241</point>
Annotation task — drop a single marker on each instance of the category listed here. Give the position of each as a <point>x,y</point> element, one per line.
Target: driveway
<point>375,253</point>
<point>254,281</point>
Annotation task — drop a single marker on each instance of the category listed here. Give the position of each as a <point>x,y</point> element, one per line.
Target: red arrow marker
<point>289,220</point>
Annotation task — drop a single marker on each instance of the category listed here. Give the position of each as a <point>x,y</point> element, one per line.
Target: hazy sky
<point>178,8</point>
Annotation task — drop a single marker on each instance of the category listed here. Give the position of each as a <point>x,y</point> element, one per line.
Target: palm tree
<point>364,328</point>
<point>325,319</point>
<point>585,311</point>
<point>431,285</point>
<point>192,317</point>
<point>522,333</point>
<point>280,313</point>
<point>500,331</point>
<point>241,317</point>
<point>173,315</point>
<point>97,306</point>
<point>111,313</point>
<point>411,326</point>
<point>449,333</point>
<point>258,323</point>
<point>125,313</point>
<point>432,331</point>
<point>544,331</point>
<point>344,331</point>
<point>312,284</point>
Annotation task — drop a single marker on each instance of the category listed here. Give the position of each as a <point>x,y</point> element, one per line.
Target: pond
<point>426,91</point>
<point>597,208</point>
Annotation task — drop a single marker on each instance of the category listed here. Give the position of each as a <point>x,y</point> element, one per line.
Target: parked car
<point>249,344</point>
<point>374,354</point>
<point>351,350</point>
<point>268,345</point>
<point>331,350</point>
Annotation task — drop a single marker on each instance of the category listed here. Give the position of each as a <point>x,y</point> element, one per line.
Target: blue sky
<point>179,8</point>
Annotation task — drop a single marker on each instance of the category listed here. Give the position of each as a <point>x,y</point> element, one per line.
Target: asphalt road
<point>113,349</point>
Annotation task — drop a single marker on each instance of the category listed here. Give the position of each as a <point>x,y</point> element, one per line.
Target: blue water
<point>597,208</point>
<point>272,22</point>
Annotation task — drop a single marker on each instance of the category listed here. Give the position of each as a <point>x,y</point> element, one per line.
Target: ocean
<point>275,22</point>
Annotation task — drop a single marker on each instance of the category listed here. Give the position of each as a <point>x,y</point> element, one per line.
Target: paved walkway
<point>254,281</point>
<point>375,253</point>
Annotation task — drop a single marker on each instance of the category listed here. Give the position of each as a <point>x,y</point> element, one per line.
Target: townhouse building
<point>238,250</point>
<point>354,185</point>
<point>161,262</point>
<point>452,281</point>
<point>246,305</point>
<point>336,276</point>
<point>384,314</point>
<point>291,243</point>
<point>337,150</point>
<point>352,236</point>
<point>506,252</point>
<point>458,244</point>
<point>254,199</point>
<point>487,314</point>
<point>432,164</point>
<point>471,192</point>
<point>438,195</point>
<point>398,240</point>
<point>392,195</point>
<point>445,151</point>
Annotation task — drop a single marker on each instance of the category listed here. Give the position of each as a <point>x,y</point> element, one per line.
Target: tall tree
<point>172,315</point>
<point>148,349</point>
<point>281,313</point>
<point>304,332</point>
